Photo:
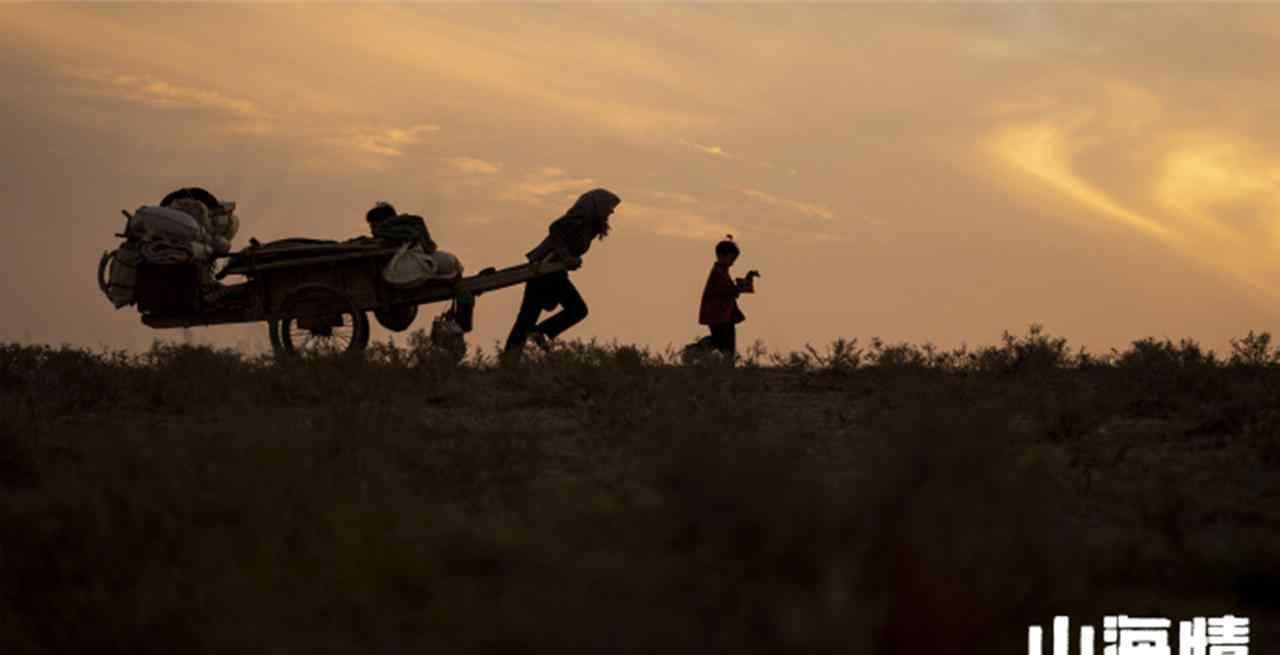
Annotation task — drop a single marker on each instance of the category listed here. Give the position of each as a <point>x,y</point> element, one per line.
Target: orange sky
<point>914,172</point>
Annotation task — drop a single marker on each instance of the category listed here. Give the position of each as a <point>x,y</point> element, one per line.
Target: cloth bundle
<point>412,266</point>
<point>167,252</point>
<point>177,228</point>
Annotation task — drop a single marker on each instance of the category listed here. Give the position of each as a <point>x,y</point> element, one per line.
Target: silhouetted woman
<point>568,239</point>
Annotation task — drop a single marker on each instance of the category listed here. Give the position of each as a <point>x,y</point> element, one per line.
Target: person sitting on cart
<point>567,240</point>
<point>385,223</point>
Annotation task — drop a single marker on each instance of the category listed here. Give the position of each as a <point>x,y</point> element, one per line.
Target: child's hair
<point>727,247</point>
<point>380,211</point>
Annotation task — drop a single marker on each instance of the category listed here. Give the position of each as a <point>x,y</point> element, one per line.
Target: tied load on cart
<point>313,294</point>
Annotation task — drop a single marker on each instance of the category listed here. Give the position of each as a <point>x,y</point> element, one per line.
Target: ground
<point>604,499</point>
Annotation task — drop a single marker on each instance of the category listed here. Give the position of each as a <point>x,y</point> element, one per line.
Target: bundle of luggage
<point>412,265</point>
<point>418,261</point>
<point>169,249</point>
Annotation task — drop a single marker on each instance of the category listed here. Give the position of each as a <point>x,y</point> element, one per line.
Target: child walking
<point>719,310</point>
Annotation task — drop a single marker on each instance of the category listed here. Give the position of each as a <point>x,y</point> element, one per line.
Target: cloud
<point>714,151</point>
<point>473,166</point>
<point>1228,197</point>
<point>672,197</point>
<point>382,141</point>
<point>248,118</point>
<point>556,67</point>
<point>1206,193</point>
<point>802,208</point>
<point>252,128</point>
<point>1040,150</point>
<point>164,93</point>
<point>541,184</point>
<point>149,90</point>
<point>367,149</point>
<point>675,222</point>
<point>1209,172</point>
<point>550,187</point>
<point>718,152</point>
<point>1030,32</point>
<point>823,239</point>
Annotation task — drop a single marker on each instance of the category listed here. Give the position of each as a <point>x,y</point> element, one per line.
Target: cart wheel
<point>396,318</point>
<point>319,320</point>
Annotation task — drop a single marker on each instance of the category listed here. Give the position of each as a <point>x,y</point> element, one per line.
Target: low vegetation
<point>878,498</point>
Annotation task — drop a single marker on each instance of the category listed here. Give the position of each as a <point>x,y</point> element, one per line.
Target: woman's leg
<point>530,308</point>
<point>573,308</point>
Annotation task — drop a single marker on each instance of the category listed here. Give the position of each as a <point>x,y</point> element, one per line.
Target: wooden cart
<point>313,295</point>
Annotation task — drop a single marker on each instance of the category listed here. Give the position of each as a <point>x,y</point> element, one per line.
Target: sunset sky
<point>940,172</point>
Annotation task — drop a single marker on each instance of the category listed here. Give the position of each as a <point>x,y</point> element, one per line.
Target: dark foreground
<point>898,500</point>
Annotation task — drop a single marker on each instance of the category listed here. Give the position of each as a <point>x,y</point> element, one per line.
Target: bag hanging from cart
<point>118,274</point>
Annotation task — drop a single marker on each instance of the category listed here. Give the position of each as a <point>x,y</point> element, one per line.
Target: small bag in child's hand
<point>747,284</point>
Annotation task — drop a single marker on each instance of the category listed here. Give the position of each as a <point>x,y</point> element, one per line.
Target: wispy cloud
<point>473,166</point>
<point>551,187</point>
<point>676,222</point>
<point>531,70</point>
<point>714,151</point>
<point>672,197</point>
<point>164,93</point>
<point>823,239</point>
<point>718,152</point>
<point>248,118</point>
<point>1203,191</point>
<point>802,208</point>
<point>382,141</point>
<point>251,128</point>
<point>541,184</point>
<point>150,90</point>
<point>1041,150</point>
